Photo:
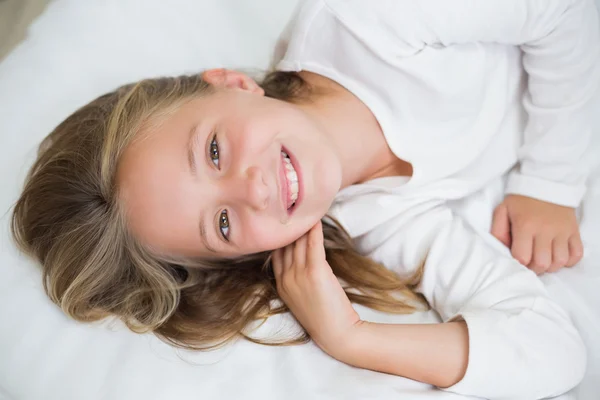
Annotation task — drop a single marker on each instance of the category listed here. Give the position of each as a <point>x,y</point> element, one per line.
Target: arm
<point>516,333</point>
<point>514,342</point>
<point>437,354</point>
<point>560,40</point>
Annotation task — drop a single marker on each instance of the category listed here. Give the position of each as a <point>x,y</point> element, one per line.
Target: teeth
<point>291,176</point>
<point>290,172</point>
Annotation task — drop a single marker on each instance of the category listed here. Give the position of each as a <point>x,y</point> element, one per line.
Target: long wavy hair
<point>69,219</point>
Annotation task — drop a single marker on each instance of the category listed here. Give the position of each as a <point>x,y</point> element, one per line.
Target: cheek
<point>266,234</point>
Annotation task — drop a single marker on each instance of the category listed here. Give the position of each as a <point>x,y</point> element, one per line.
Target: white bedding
<point>78,50</point>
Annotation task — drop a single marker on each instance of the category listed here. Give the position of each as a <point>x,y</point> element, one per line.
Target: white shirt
<point>445,81</point>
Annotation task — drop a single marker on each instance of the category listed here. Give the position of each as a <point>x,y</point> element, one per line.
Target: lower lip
<point>300,182</point>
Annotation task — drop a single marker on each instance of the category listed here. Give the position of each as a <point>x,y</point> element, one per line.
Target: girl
<point>187,205</point>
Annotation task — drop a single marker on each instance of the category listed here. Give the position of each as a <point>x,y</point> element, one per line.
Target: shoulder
<point>393,23</point>
<point>386,27</point>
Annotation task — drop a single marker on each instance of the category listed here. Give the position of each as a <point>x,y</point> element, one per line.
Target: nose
<point>251,189</point>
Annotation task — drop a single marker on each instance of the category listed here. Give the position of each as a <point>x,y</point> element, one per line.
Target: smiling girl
<point>186,205</point>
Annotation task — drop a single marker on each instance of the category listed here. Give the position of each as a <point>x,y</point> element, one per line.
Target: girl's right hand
<point>307,285</point>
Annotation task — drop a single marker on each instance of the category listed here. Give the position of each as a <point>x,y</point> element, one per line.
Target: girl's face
<point>228,174</point>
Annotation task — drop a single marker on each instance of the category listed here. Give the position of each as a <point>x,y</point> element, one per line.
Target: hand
<point>312,292</point>
<point>543,236</point>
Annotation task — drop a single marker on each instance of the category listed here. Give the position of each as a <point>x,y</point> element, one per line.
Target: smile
<point>292,192</point>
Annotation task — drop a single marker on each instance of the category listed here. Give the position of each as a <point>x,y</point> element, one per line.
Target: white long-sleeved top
<point>446,82</point>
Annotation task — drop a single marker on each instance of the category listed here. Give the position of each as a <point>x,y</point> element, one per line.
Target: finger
<point>575,250</point>
<point>288,257</point>
<point>560,253</point>
<point>276,262</point>
<point>542,254</point>
<point>316,248</point>
<point>501,225</point>
<point>522,245</point>
<point>300,252</point>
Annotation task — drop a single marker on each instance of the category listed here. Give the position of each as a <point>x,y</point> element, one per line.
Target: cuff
<point>545,190</point>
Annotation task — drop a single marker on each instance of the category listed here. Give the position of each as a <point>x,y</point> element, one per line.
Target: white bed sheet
<point>80,49</point>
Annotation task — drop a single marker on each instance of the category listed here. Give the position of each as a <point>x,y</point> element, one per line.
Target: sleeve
<point>521,344</point>
<point>560,41</point>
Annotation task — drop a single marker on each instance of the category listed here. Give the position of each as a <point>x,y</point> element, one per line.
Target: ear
<point>228,79</point>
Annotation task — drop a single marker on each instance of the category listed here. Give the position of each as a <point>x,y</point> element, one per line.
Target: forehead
<point>178,113</point>
<point>208,107</point>
<point>150,171</point>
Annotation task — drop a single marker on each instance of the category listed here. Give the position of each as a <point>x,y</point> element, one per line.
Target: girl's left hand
<point>543,236</point>
<point>307,285</point>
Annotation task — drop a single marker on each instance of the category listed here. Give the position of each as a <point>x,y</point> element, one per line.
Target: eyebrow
<point>191,155</point>
<point>191,149</point>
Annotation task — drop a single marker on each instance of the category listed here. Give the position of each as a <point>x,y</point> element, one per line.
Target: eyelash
<point>213,153</point>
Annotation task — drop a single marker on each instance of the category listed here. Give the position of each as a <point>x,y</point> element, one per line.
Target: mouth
<point>291,190</point>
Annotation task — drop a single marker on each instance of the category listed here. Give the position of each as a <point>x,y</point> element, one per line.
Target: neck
<point>353,130</point>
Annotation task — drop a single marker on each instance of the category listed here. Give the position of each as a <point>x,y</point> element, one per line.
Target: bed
<point>77,50</point>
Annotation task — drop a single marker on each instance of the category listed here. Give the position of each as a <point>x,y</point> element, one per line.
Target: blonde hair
<point>69,219</point>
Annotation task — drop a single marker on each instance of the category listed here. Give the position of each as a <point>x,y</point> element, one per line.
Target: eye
<point>224,224</point>
<point>214,151</point>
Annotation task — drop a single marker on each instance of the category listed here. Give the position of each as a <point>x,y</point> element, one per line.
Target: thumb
<point>501,225</point>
